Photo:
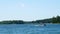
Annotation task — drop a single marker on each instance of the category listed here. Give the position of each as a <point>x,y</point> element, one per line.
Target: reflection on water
<point>29,29</point>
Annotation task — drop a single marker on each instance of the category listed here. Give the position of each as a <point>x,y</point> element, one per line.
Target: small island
<point>49,20</point>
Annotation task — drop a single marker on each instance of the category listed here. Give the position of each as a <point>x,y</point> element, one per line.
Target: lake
<point>29,29</point>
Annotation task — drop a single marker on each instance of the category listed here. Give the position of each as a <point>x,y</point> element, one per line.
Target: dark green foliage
<point>50,20</point>
<point>12,22</point>
<point>56,19</point>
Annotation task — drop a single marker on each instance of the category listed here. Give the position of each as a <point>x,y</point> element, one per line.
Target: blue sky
<point>28,10</point>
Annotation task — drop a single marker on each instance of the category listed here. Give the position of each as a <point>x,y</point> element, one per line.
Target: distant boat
<point>37,25</point>
<point>40,25</point>
<point>43,24</point>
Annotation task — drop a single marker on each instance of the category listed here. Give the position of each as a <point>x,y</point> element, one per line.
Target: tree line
<point>49,20</point>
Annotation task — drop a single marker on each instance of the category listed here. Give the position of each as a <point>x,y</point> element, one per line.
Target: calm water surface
<point>29,29</point>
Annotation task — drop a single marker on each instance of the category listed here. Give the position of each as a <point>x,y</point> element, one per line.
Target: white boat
<point>37,25</point>
<point>40,25</point>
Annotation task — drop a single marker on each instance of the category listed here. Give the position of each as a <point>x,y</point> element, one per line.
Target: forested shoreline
<point>49,20</point>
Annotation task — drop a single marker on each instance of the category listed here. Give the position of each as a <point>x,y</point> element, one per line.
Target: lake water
<point>29,29</point>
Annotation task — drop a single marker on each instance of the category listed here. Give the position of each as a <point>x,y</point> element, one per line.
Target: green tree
<point>54,20</point>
